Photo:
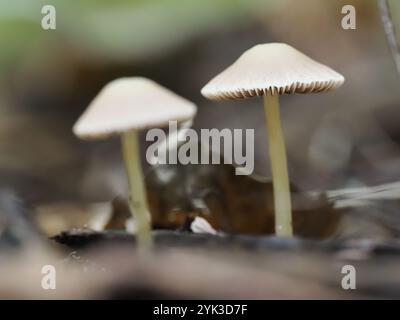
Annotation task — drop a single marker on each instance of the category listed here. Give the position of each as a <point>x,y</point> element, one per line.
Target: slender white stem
<point>138,197</point>
<point>280,177</point>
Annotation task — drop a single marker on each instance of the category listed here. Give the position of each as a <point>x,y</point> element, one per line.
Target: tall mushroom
<point>269,70</point>
<point>123,107</point>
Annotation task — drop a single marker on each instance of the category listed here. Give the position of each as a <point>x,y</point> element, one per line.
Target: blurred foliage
<point>116,30</point>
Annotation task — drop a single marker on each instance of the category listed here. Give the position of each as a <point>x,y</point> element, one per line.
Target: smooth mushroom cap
<point>131,103</point>
<point>271,68</point>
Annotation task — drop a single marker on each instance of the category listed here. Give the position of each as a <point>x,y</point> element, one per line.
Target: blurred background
<point>345,138</point>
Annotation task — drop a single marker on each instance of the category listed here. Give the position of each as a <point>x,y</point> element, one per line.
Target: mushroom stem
<point>280,177</point>
<point>138,197</point>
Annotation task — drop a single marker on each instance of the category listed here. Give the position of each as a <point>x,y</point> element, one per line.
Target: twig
<point>355,197</point>
<point>390,31</point>
<point>360,196</point>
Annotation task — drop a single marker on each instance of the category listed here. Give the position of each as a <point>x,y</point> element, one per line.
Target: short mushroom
<point>269,70</point>
<point>123,107</point>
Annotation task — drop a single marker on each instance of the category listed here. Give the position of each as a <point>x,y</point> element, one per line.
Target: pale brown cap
<point>131,103</point>
<point>271,68</point>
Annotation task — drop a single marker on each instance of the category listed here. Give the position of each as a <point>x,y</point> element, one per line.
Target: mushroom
<point>123,107</point>
<point>269,70</point>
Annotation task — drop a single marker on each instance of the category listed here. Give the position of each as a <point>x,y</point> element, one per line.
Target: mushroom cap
<point>269,69</point>
<point>131,103</point>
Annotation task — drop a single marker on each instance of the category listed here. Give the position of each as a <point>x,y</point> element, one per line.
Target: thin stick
<point>138,197</point>
<point>280,177</point>
<point>390,31</point>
